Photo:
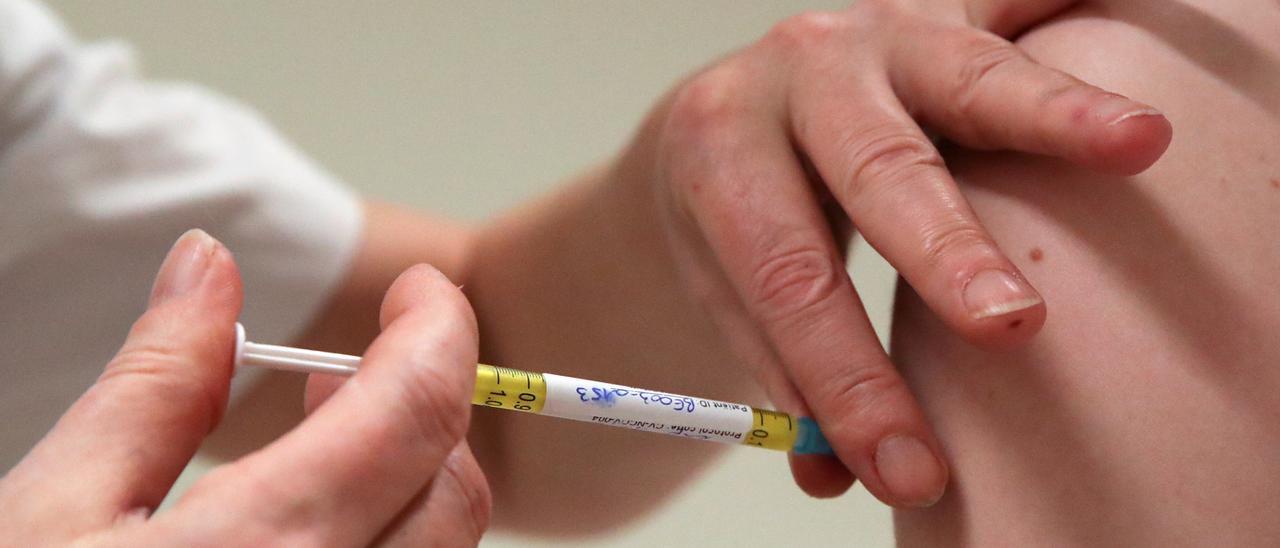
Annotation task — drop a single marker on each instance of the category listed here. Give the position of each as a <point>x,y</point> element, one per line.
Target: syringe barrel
<point>584,400</point>
<point>647,410</point>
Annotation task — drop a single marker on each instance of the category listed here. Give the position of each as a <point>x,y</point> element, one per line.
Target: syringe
<point>584,400</point>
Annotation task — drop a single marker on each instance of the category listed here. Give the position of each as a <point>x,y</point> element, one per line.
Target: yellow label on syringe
<point>507,388</point>
<point>771,430</point>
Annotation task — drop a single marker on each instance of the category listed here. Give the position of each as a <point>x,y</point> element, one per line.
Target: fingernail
<point>995,293</point>
<point>184,267</point>
<point>910,470</point>
<point>1116,109</point>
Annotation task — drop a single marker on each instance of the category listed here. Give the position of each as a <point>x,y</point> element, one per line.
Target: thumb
<point>121,446</point>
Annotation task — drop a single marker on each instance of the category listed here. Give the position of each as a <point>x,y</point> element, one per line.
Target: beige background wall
<point>468,108</point>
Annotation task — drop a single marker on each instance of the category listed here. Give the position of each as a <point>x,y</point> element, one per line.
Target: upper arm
<point>1146,409</point>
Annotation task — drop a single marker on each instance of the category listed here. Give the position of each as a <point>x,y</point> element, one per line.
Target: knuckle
<point>792,281</point>
<point>141,358</point>
<point>878,15</point>
<point>1059,90</point>
<point>953,237</point>
<point>708,104</point>
<point>1060,86</point>
<point>471,485</point>
<point>886,156</point>
<point>146,368</point>
<point>862,390</point>
<point>982,56</point>
<point>807,31</point>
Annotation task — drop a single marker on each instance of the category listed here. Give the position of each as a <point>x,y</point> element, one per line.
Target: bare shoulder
<point>1148,410</point>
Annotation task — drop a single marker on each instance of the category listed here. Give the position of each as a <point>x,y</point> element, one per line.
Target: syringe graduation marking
<point>585,400</point>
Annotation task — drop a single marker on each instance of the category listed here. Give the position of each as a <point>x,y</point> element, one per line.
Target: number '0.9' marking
<point>491,393</point>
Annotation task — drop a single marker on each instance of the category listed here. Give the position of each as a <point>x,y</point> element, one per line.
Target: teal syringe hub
<point>809,439</point>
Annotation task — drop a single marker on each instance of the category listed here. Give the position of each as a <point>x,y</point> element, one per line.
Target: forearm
<point>581,283</point>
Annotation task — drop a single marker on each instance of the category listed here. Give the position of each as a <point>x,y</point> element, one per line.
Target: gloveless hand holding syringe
<point>584,400</point>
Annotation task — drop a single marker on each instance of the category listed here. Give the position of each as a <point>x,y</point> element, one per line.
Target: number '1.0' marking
<point>507,388</point>
<point>771,430</point>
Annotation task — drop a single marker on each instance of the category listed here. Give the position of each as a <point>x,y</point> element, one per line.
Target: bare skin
<point>1147,410</point>
<point>706,249</point>
<point>711,246</point>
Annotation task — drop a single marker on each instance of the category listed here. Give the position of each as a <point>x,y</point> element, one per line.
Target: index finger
<point>757,212</point>
<point>982,91</point>
<point>346,471</point>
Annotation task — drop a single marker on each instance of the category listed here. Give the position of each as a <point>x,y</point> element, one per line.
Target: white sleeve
<point>99,173</point>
